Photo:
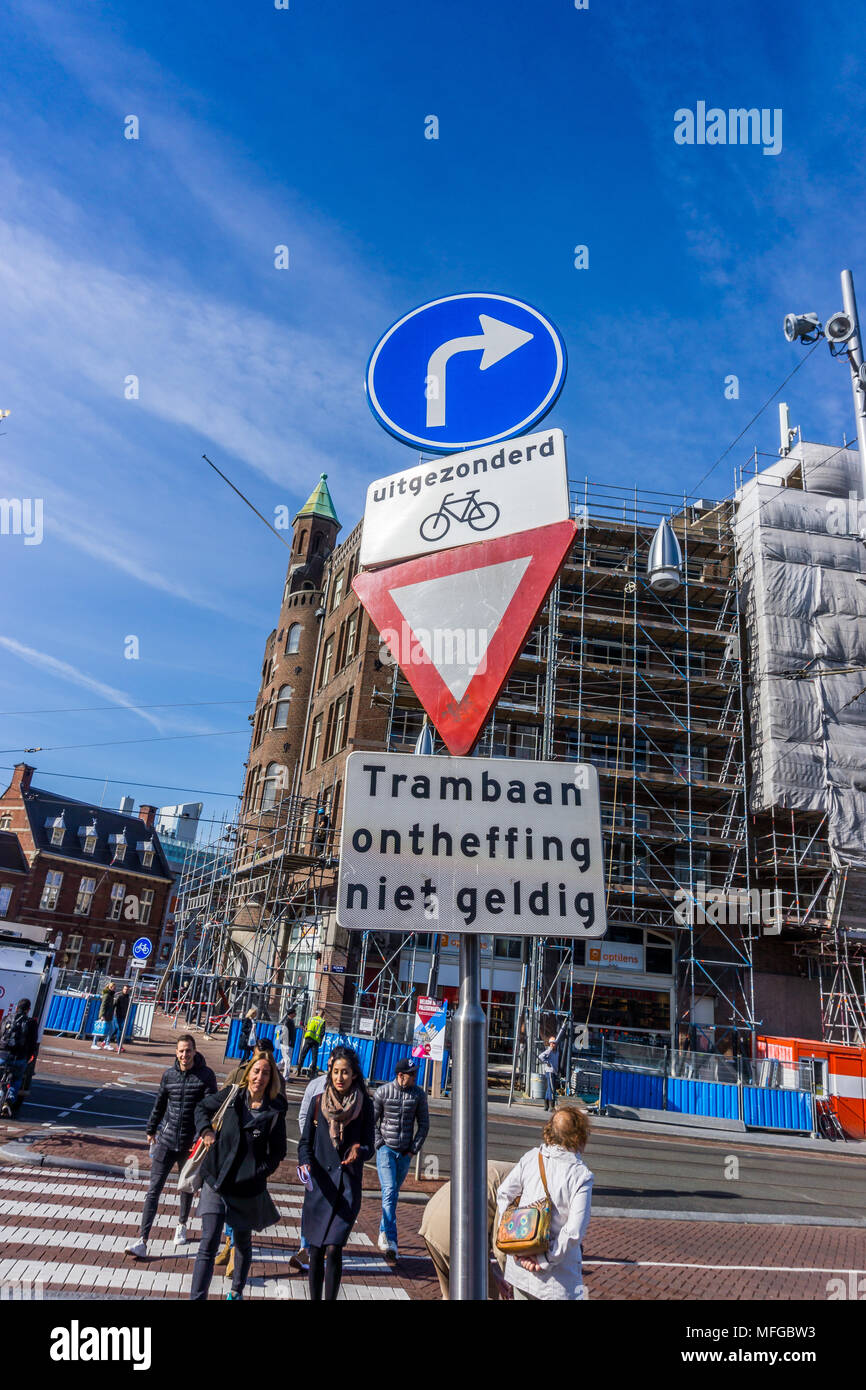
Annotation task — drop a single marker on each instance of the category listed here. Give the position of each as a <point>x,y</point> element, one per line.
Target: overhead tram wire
<point>106,709</point>
<point>114,743</point>
<point>128,782</point>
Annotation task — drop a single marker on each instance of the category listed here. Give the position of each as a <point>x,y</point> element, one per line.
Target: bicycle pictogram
<point>479,516</point>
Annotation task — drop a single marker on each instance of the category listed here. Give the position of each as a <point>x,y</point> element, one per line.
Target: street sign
<point>465,370</point>
<point>455,621</point>
<point>466,498</point>
<point>142,948</point>
<point>428,1039</point>
<point>138,963</point>
<point>472,845</point>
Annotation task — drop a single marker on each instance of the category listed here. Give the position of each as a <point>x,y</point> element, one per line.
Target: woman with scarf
<point>339,1136</point>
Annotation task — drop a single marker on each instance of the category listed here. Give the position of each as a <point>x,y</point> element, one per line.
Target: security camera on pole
<point>460,554</point>
<point>842,332</point>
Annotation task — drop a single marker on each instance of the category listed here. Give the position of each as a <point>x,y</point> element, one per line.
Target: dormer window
<point>145,852</point>
<point>57,827</point>
<point>89,838</point>
<point>118,842</point>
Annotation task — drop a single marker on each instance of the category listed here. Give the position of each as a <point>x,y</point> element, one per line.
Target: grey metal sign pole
<point>469,1254</point>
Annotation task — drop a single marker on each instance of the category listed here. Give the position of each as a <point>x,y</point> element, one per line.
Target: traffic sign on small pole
<point>492,529</point>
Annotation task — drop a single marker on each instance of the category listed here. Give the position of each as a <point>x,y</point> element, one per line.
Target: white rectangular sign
<point>482,845</point>
<point>476,496</point>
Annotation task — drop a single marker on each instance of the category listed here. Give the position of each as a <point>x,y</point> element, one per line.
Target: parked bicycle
<point>478,516</point>
<point>828,1121</point>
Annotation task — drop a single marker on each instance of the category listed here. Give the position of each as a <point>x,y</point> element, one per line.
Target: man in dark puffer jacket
<point>171,1131</point>
<point>402,1122</point>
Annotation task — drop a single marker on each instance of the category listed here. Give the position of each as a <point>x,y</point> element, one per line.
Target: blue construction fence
<point>66,1012</point>
<point>758,1107</point>
<point>378,1057</point>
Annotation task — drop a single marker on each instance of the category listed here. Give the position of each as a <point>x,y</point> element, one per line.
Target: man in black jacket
<point>20,1036</point>
<point>402,1121</point>
<point>171,1131</point>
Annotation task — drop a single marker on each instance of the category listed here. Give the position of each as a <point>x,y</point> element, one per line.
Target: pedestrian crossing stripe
<point>81,1216</point>
<point>137,1281</point>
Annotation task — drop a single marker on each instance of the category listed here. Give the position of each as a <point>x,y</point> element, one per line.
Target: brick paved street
<point>70,1227</point>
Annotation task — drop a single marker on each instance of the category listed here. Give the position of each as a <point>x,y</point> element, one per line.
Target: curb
<point>24,1153</point>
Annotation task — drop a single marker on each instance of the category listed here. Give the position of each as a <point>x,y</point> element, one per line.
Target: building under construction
<point>734,858</point>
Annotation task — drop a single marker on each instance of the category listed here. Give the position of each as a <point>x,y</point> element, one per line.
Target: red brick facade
<point>96,903</point>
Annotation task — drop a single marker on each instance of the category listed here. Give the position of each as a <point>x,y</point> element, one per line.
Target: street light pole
<point>854,348</point>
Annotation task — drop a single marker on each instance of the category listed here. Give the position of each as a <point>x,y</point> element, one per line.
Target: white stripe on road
<point>757,1269</point>
<point>159,1249</point>
<point>114,1194</point>
<point>57,1211</point>
<point>138,1281</point>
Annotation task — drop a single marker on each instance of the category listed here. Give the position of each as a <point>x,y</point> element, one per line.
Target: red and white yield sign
<point>455,621</point>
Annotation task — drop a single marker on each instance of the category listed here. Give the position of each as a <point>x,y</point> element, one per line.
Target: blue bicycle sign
<point>142,948</point>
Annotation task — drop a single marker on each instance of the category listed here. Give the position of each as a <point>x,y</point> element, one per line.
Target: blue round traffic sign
<point>465,370</point>
<point>142,948</point>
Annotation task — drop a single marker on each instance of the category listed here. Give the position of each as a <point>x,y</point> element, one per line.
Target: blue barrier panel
<point>702,1098</point>
<point>764,1108</point>
<point>65,1012</point>
<point>378,1059</point>
<point>640,1090</point>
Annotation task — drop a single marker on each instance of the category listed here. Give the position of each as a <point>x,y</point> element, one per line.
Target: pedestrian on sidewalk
<point>170,1133</point>
<point>263,1048</point>
<point>339,1136</point>
<point>436,1233</point>
<point>288,1033</point>
<point>105,1018</point>
<point>242,1155</point>
<point>121,1009</point>
<point>248,1034</point>
<point>557,1169</point>
<point>20,1037</point>
<point>402,1123</point>
<point>549,1060</point>
<point>313,1034</point>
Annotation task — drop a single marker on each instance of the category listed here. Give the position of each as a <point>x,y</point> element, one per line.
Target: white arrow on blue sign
<point>466,370</point>
<point>142,948</point>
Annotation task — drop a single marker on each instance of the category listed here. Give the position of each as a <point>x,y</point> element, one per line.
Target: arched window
<point>293,638</point>
<point>274,778</point>
<point>281,708</point>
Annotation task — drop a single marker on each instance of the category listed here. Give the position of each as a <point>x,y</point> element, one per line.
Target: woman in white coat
<point>559,1273</point>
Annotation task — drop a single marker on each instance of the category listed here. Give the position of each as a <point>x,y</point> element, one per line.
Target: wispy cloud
<point>71,674</point>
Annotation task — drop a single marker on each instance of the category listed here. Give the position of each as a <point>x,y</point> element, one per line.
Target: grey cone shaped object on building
<point>664,564</point>
<point>424,741</point>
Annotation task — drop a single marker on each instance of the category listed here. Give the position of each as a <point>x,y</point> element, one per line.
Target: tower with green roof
<point>289,659</point>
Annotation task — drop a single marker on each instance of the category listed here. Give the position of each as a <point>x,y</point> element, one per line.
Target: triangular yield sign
<point>455,622</point>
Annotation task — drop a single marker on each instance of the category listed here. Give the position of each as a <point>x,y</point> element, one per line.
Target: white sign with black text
<point>479,495</point>
<point>480,845</point>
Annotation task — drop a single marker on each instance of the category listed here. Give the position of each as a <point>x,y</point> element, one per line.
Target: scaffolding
<point>649,690</point>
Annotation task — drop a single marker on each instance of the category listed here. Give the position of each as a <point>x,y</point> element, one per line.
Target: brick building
<point>97,878</point>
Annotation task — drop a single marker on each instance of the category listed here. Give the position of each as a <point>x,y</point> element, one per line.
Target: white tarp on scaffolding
<point>803,590</point>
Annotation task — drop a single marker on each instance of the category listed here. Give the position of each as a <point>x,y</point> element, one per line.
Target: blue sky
<point>305,127</point>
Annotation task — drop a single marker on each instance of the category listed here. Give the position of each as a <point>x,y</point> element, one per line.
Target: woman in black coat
<point>339,1136</point>
<point>241,1156</point>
